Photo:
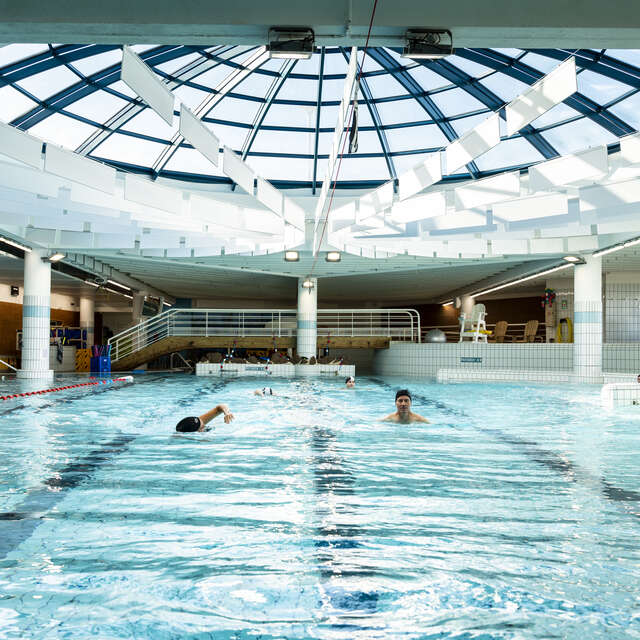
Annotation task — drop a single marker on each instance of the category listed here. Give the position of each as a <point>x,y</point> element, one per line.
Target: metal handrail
<point>400,324</point>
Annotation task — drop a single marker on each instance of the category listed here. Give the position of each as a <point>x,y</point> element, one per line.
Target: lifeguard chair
<point>474,326</point>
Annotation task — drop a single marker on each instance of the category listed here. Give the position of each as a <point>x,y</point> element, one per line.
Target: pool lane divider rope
<point>71,386</point>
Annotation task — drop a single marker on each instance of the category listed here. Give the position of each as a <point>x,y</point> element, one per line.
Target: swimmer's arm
<point>207,417</point>
<point>392,417</point>
<point>419,418</point>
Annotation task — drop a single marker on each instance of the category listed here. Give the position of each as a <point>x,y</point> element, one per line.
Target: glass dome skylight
<point>281,116</point>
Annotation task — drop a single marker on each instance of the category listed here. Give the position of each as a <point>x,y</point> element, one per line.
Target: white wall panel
<point>420,177</point>
<point>376,201</point>
<point>270,197</point>
<point>144,82</point>
<point>20,146</point>
<point>590,164</point>
<point>263,222</point>
<point>547,245</point>
<point>13,176</point>
<point>216,212</point>
<point>582,243</point>
<point>607,196</point>
<point>488,191</point>
<point>473,144</point>
<point>458,220</point>
<point>542,96</point>
<point>554,204</point>
<point>424,206</point>
<point>294,214</point>
<point>506,247</point>
<point>240,172</point>
<point>72,166</point>
<point>630,148</point>
<point>199,135</point>
<point>152,194</point>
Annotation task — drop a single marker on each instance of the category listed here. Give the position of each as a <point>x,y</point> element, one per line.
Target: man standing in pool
<point>187,425</point>
<point>403,411</point>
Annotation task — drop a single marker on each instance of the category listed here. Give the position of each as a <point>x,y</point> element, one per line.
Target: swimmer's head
<point>188,424</point>
<point>350,382</point>
<point>267,391</point>
<point>403,400</point>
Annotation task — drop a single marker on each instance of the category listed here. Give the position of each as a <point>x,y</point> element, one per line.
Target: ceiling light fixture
<point>616,247</point>
<point>446,304</point>
<point>308,283</point>
<point>428,44</point>
<point>519,280</point>
<point>291,256</point>
<point>333,256</point>
<point>15,244</point>
<point>291,43</point>
<point>123,286</point>
<point>56,257</point>
<point>93,284</point>
<point>574,259</point>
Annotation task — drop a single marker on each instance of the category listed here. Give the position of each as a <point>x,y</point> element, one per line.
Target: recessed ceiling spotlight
<point>308,283</point>
<point>56,257</point>
<point>291,256</point>
<point>291,43</point>
<point>574,259</point>
<point>333,256</point>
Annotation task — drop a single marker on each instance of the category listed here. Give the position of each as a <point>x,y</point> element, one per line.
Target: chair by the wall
<point>530,331</point>
<point>500,332</point>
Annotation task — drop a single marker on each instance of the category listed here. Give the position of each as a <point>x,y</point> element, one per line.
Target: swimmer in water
<point>199,423</point>
<point>403,411</point>
<point>265,391</point>
<point>350,382</point>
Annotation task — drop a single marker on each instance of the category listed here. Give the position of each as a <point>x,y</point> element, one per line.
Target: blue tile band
<point>587,316</point>
<point>35,311</point>
<point>307,324</point>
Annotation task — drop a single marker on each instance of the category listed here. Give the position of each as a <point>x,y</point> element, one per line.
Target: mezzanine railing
<point>397,324</point>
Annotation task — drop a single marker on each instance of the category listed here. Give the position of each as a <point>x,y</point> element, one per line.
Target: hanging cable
<point>345,136</point>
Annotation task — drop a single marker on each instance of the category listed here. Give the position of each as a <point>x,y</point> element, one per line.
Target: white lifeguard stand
<point>474,326</point>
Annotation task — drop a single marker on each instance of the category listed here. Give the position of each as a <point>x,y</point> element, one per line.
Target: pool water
<point>515,514</point>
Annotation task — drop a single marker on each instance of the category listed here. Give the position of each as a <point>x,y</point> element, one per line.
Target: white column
<point>138,306</point>
<point>587,321</point>
<point>87,318</point>
<point>36,313</point>
<point>307,324</point>
<point>466,305</point>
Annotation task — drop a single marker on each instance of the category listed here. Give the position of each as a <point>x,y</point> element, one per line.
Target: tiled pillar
<point>466,305</point>
<point>587,321</point>
<point>87,318</point>
<point>36,313</point>
<point>307,318</point>
<point>138,305</point>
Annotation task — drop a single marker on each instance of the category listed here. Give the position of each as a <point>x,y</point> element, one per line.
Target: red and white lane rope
<point>71,386</point>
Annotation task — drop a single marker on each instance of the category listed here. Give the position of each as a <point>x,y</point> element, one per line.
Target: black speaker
<point>15,291</point>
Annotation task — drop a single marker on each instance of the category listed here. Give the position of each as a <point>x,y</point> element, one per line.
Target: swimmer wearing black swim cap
<point>403,411</point>
<point>350,382</point>
<point>193,423</point>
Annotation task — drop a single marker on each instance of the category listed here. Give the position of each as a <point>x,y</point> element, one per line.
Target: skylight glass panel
<point>191,161</point>
<point>255,84</point>
<point>370,65</point>
<point>470,67</point>
<point>273,64</point>
<point>509,153</point>
<point>427,78</point>
<point>190,96</point>
<point>629,110</point>
<point>14,52</point>
<point>293,89</point>
<point>423,137</point>
<point>368,142</point>
<point>328,116</point>
<point>630,56</point>
<point>286,115</point>
<point>121,88</point>
<point>149,123</point>
<point>235,110</point>
<point>363,169</point>
<point>462,125</point>
<point>171,66</point>
<point>308,67</point>
<point>213,77</point>
<point>578,135</point>
<point>543,64</point>
<point>400,111</point>
<point>13,104</point>
<point>405,162</point>
<point>504,86</point>
<point>130,150</point>
<point>454,102</point>
<point>384,86</point>
<point>62,130</point>
<point>556,114</point>
<point>232,137</point>
<point>332,90</point>
<point>98,106</point>
<point>93,64</point>
<point>599,88</point>
<point>283,142</point>
<point>48,83</point>
<point>511,53</point>
<point>334,63</point>
<point>283,169</point>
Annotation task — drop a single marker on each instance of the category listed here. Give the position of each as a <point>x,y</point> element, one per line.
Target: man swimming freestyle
<point>403,411</point>
<point>198,423</point>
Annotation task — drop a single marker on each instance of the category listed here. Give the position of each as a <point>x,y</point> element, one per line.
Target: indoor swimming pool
<point>515,514</point>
